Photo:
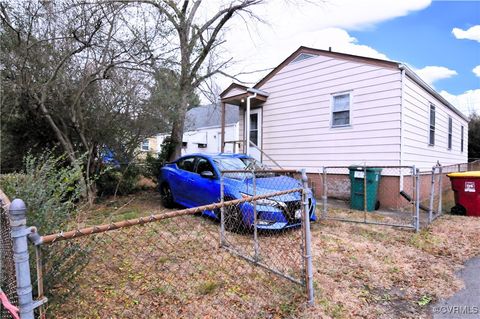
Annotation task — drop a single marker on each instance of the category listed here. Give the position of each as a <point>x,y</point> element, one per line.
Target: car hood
<point>268,185</point>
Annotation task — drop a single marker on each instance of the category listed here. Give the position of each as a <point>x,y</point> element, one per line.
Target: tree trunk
<point>178,125</point>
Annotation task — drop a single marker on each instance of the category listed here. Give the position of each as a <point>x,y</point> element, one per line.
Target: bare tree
<point>196,40</point>
<point>79,67</point>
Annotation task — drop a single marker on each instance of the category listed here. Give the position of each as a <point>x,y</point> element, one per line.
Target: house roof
<point>210,116</point>
<point>383,63</point>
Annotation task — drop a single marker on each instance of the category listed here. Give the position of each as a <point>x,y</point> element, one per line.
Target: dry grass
<point>360,270</point>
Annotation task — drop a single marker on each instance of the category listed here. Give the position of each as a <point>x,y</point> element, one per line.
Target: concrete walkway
<point>466,302</point>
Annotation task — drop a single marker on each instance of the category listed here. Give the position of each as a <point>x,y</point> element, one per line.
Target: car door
<point>181,182</point>
<point>204,190</point>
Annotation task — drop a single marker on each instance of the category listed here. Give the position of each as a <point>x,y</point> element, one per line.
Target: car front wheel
<point>167,197</point>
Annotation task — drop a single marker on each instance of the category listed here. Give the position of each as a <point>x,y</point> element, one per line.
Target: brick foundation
<point>388,190</point>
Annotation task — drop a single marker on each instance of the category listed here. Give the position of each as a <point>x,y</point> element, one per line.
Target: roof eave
<point>430,90</point>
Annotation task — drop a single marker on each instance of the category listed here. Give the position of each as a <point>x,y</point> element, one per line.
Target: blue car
<point>194,180</point>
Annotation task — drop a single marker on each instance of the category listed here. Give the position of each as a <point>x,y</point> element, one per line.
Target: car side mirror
<point>207,174</point>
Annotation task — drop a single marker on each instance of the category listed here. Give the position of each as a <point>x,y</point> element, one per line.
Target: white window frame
<point>147,143</point>
<point>332,99</point>
<point>431,105</point>
<point>462,139</point>
<point>450,133</point>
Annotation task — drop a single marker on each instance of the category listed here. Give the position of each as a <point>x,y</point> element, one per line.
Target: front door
<point>256,133</point>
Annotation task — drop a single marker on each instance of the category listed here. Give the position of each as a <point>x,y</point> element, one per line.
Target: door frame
<point>259,113</point>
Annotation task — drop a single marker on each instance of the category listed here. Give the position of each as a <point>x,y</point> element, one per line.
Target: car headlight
<point>266,201</point>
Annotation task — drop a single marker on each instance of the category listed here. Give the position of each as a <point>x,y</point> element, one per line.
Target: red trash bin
<point>466,188</point>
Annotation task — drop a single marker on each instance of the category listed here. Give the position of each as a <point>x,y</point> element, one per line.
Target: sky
<point>440,40</point>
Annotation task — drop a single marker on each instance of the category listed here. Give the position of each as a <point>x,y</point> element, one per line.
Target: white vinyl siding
<point>416,124</point>
<point>297,116</point>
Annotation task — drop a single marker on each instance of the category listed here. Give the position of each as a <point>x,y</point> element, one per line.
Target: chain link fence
<point>8,282</point>
<point>381,195</point>
<point>442,196</point>
<point>206,262</point>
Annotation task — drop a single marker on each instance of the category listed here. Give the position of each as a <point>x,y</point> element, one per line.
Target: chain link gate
<point>272,222</point>
<point>379,195</point>
<point>174,264</point>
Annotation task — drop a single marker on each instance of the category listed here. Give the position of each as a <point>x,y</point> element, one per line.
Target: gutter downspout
<point>402,120</point>
<point>247,121</point>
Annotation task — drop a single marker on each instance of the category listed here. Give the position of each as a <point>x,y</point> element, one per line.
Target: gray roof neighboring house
<point>210,116</point>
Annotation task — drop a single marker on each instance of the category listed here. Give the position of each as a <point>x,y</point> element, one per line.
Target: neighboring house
<point>203,131</point>
<point>323,108</point>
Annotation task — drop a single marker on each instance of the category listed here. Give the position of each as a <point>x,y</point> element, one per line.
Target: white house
<point>323,108</point>
<point>203,131</point>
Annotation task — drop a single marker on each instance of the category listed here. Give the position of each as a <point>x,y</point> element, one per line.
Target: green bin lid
<point>361,168</point>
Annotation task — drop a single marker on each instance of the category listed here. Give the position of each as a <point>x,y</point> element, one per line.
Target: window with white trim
<point>450,132</point>
<point>431,140</point>
<point>462,139</point>
<point>145,145</point>
<point>341,109</point>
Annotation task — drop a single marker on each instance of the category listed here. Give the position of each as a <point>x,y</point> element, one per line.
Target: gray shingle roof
<point>210,115</point>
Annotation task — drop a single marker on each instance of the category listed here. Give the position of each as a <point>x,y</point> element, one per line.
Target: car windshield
<point>229,164</point>
<point>252,163</point>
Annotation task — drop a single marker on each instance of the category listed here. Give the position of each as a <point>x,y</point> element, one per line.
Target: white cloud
<point>467,102</point>
<point>431,74</point>
<point>476,70</point>
<point>290,24</point>
<point>472,33</point>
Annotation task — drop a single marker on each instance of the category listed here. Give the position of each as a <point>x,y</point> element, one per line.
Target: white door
<point>256,133</point>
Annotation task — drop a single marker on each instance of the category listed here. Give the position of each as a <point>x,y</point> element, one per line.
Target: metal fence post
<point>222,210</point>
<point>365,193</point>
<point>307,253</point>
<point>432,195</point>
<point>417,200</point>
<point>255,219</point>
<point>440,189</point>
<point>18,220</point>
<point>324,195</point>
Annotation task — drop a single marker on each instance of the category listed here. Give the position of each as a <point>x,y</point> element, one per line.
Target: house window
<point>450,129</point>
<point>184,144</point>
<point>341,109</point>
<point>431,140</point>
<point>202,145</point>
<point>254,128</point>
<point>146,145</point>
<point>461,140</point>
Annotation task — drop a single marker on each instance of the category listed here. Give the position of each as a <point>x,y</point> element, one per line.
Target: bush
<point>153,163</point>
<point>121,180</point>
<point>51,189</point>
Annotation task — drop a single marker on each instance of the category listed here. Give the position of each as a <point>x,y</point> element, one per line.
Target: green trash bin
<point>357,194</point>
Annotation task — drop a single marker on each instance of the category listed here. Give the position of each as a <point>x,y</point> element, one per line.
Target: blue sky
<point>440,40</point>
<point>425,37</point>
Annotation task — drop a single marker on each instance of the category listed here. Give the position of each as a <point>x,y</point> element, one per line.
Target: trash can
<point>357,193</point>
<point>466,189</point>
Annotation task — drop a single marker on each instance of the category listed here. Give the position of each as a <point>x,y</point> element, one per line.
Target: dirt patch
<point>360,271</point>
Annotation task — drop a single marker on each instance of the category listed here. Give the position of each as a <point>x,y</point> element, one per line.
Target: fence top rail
<point>52,238</point>
<point>368,166</point>
<point>285,171</point>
